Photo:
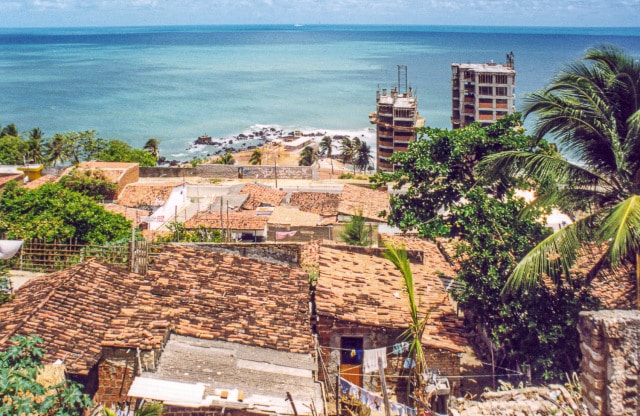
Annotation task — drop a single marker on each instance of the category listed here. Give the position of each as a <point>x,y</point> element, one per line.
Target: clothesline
<point>373,401</point>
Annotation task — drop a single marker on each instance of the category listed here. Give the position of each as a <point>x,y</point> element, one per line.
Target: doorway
<point>351,359</point>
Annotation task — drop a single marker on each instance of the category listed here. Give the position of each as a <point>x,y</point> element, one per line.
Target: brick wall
<point>610,345</point>
<point>303,234</point>
<point>331,330</point>
<point>116,372</point>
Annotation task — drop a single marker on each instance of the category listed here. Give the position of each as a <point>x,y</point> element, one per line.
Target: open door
<point>351,360</point>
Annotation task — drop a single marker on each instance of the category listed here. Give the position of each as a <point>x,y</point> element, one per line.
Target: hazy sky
<point>51,13</point>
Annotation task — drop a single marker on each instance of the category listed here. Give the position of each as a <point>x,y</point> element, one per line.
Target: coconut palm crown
<point>592,111</point>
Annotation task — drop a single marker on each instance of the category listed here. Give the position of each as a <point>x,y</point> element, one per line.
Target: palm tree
<point>256,157</point>
<point>152,146</point>
<point>56,149</point>
<point>326,147</point>
<point>225,159</point>
<point>34,145</point>
<point>592,108</point>
<point>308,156</point>
<point>415,332</point>
<point>363,157</point>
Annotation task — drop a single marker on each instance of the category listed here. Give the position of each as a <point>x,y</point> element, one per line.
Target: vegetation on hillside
<point>22,394</point>
<point>592,110</point>
<point>53,211</point>
<point>69,148</point>
<point>443,196</point>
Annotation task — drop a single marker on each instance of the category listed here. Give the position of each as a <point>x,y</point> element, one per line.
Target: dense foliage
<point>70,148</point>
<point>592,109</point>
<point>22,394</point>
<point>356,231</point>
<point>91,183</point>
<point>442,195</point>
<point>54,212</point>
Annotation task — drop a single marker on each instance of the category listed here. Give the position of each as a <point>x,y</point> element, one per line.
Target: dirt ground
<point>20,277</point>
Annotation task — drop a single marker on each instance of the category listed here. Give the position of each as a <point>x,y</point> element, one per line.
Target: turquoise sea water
<point>176,83</point>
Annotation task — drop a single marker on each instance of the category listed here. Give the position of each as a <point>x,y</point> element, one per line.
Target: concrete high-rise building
<point>396,119</point>
<point>482,92</point>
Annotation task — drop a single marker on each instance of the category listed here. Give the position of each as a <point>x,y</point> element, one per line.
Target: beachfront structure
<point>482,92</point>
<point>396,119</point>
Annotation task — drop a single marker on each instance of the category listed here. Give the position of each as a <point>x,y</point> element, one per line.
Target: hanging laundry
<point>370,359</point>
<point>9,248</point>
<point>281,235</point>
<point>400,348</point>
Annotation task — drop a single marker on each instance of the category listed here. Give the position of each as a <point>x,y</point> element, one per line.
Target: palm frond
<point>621,229</point>
<point>518,164</point>
<point>552,257</point>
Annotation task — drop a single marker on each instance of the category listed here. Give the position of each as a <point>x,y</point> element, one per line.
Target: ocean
<point>177,83</point>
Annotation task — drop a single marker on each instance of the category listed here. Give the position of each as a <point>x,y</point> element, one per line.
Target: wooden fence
<point>42,256</point>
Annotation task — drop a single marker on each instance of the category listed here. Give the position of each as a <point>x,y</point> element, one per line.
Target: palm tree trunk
<point>638,278</point>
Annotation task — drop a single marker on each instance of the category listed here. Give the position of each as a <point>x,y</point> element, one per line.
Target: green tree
<point>308,156</point>
<point>592,110</point>
<point>363,157</point>
<point>92,183</point>
<point>119,151</point>
<point>35,149</point>
<point>414,333</point>
<point>153,146</point>
<point>22,394</point>
<point>9,130</point>
<point>147,409</point>
<point>356,231</point>
<point>54,212</point>
<point>5,284</point>
<point>326,149</point>
<point>225,159</point>
<point>12,150</point>
<point>57,149</point>
<point>256,157</point>
<point>442,195</point>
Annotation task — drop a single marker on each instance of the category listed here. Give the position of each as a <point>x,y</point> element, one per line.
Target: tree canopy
<point>53,211</point>
<point>440,194</point>
<point>592,110</point>
<point>22,394</point>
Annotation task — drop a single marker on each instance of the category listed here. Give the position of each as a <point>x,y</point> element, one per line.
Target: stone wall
<point>233,172</point>
<point>303,234</point>
<point>210,411</point>
<point>610,344</point>
<point>288,253</point>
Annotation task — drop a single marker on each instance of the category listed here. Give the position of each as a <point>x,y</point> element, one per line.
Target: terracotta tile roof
<point>368,290</point>
<point>433,257</point>
<point>370,202</point>
<point>236,220</point>
<point>36,183</point>
<point>283,215</point>
<point>6,178</point>
<point>132,214</point>
<point>142,194</point>
<point>235,299</point>
<point>193,292</point>
<point>261,195</point>
<point>71,310</point>
<point>323,203</point>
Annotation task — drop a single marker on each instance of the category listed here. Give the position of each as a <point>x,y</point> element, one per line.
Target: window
<point>485,79</point>
<point>501,91</point>
<point>351,351</point>
<point>404,112</point>
<point>501,79</point>
<point>486,90</point>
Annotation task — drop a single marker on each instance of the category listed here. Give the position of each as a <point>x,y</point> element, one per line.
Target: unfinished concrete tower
<point>396,119</point>
<point>482,92</point>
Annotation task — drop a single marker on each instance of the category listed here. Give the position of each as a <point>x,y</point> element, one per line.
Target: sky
<point>77,13</point>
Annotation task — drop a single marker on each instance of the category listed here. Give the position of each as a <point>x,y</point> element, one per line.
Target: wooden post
<point>383,384</point>
<point>293,405</point>
<point>338,391</point>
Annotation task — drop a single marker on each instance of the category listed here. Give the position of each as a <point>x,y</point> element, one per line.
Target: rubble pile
<point>531,401</point>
